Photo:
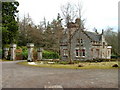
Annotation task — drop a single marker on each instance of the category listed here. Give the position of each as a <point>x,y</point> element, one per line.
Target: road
<point>20,76</point>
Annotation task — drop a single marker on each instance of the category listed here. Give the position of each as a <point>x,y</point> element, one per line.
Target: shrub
<point>8,57</point>
<point>24,48</point>
<point>115,65</point>
<point>76,61</point>
<point>50,55</point>
<point>25,55</point>
<point>100,60</point>
<point>80,65</point>
<point>24,52</point>
<point>115,57</point>
<point>19,53</point>
<point>1,53</point>
<point>63,62</point>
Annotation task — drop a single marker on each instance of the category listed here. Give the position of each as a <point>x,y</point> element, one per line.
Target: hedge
<point>50,55</point>
<point>24,53</point>
<point>115,57</point>
<point>100,60</point>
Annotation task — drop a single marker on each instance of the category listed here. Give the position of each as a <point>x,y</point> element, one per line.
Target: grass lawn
<point>1,60</point>
<point>86,65</point>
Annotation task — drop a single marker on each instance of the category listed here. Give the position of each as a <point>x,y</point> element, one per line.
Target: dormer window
<point>81,41</point>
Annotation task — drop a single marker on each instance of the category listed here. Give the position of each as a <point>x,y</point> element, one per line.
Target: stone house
<point>83,45</point>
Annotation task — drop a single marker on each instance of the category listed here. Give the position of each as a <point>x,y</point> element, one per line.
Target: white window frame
<point>65,52</point>
<point>79,52</point>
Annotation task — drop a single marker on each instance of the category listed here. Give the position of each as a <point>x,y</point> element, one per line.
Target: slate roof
<point>94,36</point>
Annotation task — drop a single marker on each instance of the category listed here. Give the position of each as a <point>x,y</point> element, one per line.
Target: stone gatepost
<point>13,53</point>
<point>6,52</point>
<point>30,52</point>
<point>39,53</point>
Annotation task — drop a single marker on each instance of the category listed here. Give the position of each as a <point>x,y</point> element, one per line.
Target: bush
<point>25,55</point>
<point>1,53</point>
<point>63,62</point>
<point>19,53</point>
<point>8,57</point>
<point>115,57</point>
<point>115,65</point>
<point>24,52</point>
<point>76,61</point>
<point>50,55</point>
<point>101,60</point>
<point>80,65</point>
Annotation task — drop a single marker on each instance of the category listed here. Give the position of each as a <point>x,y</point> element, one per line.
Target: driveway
<point>20,76</point>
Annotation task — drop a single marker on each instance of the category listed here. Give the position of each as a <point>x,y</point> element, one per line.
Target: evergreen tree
<point>9,23</point>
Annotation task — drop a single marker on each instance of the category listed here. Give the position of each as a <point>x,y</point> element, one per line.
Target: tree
<point>118,42</point>
<point>30,33</point>
<point>25,27</point>
<point>112,39</point>
<point>57,30</point>
<point>9,23</point>
<point>69,13</point>
<point>53,33</point>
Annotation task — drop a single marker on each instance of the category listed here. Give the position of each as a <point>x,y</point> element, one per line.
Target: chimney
<point>77,21</point>
<point>102,31</point>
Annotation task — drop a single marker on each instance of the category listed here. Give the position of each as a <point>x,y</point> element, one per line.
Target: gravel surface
<point>20,76</point>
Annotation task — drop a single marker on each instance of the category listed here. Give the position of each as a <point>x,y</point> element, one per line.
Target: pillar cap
<point>30,45</point>
<point>109,47</point>
<point>13,45</point>
<point>40,49</point>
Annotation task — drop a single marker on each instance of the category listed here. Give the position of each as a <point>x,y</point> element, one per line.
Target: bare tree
<point>68,12</point>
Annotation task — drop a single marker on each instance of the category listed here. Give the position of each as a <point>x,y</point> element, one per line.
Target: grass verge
<point>101,65</point>
<point>2,60</point>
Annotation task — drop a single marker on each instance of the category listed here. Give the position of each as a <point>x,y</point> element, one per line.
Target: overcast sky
<point>98,13</point>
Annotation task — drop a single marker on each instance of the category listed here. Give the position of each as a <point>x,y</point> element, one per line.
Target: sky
<point>100,14</point>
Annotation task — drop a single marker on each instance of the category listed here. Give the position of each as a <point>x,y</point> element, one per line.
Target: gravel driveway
<point>20,76</point>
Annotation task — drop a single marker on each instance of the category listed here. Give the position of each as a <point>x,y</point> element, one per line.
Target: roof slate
<point>94,36</point>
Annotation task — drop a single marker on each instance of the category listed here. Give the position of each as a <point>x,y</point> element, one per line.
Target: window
<point>77,52</point>
<point>97,53</point>
<point>83,52</point>
<point>92,51</point>
<point>108,53</point>
<point>81,41</point>
<point>65,52</point>
<point>80,52</point>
